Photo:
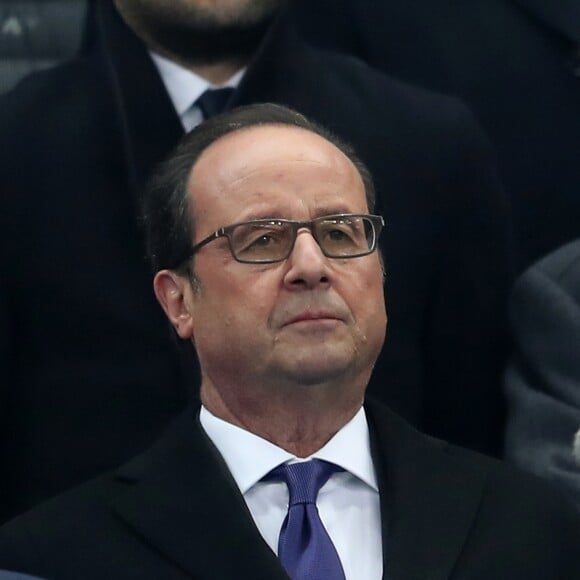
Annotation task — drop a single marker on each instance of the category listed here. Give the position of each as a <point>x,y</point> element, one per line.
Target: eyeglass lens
<point>338,237</point>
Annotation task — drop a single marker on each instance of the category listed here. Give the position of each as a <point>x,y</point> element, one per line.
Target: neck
<point>300,422</point>
<point>216,73</point>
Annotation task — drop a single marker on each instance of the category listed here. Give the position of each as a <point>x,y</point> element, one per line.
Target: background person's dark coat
<point>516,63</point>
<point>543,379</point>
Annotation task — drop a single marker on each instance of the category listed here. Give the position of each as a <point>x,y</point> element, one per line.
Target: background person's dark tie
<point>305,548</point>
<point>214,101</point>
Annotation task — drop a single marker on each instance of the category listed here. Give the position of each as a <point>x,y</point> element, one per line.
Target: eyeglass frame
<point>376,221</point>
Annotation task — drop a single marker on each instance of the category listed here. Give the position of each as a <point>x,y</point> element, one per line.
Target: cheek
<point>230,299</point>
<point>368,300</point>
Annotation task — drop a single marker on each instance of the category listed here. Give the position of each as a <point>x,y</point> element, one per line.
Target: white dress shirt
<point>348,503</point>
<point>185,87</point>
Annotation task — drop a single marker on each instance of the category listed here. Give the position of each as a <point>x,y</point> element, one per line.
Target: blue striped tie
<point>305,548</point>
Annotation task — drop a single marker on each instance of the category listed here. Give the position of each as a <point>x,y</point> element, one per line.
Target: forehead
<point>261,168</point>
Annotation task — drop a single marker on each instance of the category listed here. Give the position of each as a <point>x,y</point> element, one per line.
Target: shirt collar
<point>184,86</point>
<point>250,457</point>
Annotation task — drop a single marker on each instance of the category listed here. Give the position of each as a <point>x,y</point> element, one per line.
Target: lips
<point>304,309</point>
<point>313,316</point>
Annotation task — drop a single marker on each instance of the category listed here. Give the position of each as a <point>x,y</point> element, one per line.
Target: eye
<point>264,241</point>
<point>260,241</point>
<point>264,236</point>
<point>338,235</point>
<point>338,231</point>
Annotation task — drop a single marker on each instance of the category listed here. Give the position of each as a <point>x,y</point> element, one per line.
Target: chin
<point>320,368</point>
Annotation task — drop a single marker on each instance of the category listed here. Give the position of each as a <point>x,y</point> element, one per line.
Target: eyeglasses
<point>266,241</point>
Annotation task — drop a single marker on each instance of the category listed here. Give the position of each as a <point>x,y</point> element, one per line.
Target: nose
<point>308,266</point>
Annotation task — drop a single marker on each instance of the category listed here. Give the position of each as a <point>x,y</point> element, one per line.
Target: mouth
<point>314,318</point>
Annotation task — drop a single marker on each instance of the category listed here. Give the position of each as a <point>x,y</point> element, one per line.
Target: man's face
<point>199,31</point>
<point>308,319</point>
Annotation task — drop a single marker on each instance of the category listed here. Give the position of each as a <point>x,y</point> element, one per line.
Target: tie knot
<point>305,479</point>
<point>214,101</point>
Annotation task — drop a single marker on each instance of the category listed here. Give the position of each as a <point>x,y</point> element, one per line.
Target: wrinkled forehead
<point>271,153</point>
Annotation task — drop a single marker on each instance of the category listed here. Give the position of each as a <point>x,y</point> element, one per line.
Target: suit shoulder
<point>506,491</point>
<point>522,497</point>
<point>58,524</point>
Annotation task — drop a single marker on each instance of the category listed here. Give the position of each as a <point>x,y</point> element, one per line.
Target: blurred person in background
<point>543,379</point>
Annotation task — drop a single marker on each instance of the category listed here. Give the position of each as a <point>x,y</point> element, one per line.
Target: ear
<point>173,292</point>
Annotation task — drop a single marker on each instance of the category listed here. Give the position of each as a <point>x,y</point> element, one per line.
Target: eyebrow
<point>318,212</point>
<point>334,209</point>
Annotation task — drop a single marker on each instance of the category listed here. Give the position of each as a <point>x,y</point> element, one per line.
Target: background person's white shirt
<point>348,503</point>
<point>185,87</point>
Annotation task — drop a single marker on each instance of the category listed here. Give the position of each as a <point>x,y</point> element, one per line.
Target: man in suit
<point>516,63</point>
<point>262,231</point>
<point>90,373</point>
<point>543,379</point>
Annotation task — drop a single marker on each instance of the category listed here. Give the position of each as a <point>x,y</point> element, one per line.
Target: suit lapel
<point>429,499</point>
<point>149,124</point>
<point>181,498</point>
<point>561,15</point>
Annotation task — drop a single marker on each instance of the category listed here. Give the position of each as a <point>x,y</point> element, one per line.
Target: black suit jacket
<point>90,371</point>
<point>516,63</point>
<point>176,512</point>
